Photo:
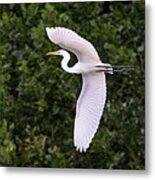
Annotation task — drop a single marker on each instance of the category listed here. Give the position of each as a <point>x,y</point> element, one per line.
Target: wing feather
<point>89,109</point>
<point>71,41</point>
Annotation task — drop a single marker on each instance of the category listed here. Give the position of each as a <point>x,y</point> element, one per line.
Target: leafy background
<point>38,99</point>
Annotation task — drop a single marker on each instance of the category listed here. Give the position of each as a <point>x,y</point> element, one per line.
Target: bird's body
<point>92,98</point>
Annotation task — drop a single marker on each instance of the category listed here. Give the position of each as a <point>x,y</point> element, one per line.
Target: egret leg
<point>119,68</point>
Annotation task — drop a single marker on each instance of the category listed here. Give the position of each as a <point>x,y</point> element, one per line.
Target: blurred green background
<point>38,99</point>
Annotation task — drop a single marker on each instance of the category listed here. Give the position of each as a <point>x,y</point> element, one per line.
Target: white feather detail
<point>89,109</point>
<point>71,41</point>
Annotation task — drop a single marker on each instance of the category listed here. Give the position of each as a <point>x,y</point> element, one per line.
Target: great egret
<point>92,98</point>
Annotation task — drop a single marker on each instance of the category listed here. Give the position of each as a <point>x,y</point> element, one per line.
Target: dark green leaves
<point>38,99</point>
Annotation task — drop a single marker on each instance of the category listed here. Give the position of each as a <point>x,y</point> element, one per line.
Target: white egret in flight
<point>92,98</point>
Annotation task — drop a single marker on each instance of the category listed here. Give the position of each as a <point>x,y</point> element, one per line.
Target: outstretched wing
<point>71,41</point>
<point>89,109</point>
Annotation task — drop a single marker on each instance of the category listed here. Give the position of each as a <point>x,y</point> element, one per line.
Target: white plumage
<point>92,98</point>
<point>89,109</point>
<point>71,41</point>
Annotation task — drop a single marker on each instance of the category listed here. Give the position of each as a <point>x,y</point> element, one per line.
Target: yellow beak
<point>52,53</point>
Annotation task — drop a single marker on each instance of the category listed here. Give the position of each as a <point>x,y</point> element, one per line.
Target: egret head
<point>60,52</point>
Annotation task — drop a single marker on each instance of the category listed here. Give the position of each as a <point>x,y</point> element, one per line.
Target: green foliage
<point>37,98</point>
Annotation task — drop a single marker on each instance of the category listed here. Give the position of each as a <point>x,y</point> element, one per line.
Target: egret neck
<point>64,62</point>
